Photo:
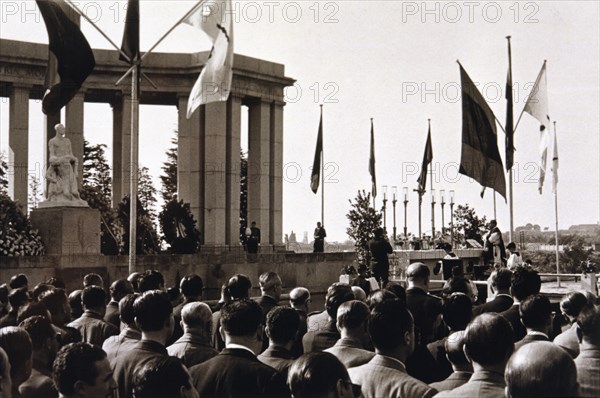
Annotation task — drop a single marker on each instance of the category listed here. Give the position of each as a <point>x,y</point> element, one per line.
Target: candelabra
<point>432,215</point>
<point>394,192</point>
<point>452,217</point>
<point>405,191</point>
<point>384,207</point>
<point>443,202</point>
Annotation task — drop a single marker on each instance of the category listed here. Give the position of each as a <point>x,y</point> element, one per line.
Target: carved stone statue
<point>61,174</point>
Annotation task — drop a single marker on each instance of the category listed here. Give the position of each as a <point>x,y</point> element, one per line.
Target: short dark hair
<point>18,297</point>
<point>573,303</point>
<point>524,282</point>
<point>501,279</point>
<point>39,289</point>
<point>337,294</point>
<point>93,297</point>
<point>389,321</point>
<point>191,285</point>
<point>151,280</point>
<point>511,246</point>
<point>74,299</point>
<point>315,374</point>
<point>92,279</point>
<point>241,317</point>
<point>152,310</point>
<point>379,296</point>
<point>282,324</point>
<point>54,300</point>
<point>489,339</point>
<point>352,314</point>
<point>457,310</point>
<point>397,289</point>
<point>31,309</point>
<point>39,329</point>
<point>535,311</point>
<point>18,347</point>
<point>268,280</point>
<point>160,377</point>
<point>126,311</point>
<point>456,284</point>
<point>74,362</point>
<point>239,286</point>
<point>454,347</point>
<point>17,281</point>
<point>589,324</point>
<point>120,288</point>
<point>4,290</point>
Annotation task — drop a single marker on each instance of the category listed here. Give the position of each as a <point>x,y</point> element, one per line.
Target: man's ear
<point>137,323</point>
<point>337,326</point>
<point>222,333</point>
<point>267,332</point>
<point>579,334</point>
<point>79,388</point>
<point>467,354</point>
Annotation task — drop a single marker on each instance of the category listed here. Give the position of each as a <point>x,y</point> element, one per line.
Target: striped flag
<point>427,158</point>
<point>372,163</point>
<point>316,169</point>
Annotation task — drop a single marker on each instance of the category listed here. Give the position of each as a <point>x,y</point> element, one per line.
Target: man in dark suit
<point>299,301</point>
<point>524,283</point>
<point>393,334</point>
<point>541,369</point>
<point>379,248</point>
<point>281,330</point>
<point>353,324</point>
<point>194,347</point>
<point>462,370</point>
<point>588,360</point>
<point>270,288</point>
<point>488,346</point>
<point>254,239</point>
<point>236,372</point>
<point>154,317</point>
<point>191,287</point>
<point>536,316</point>
<point>93,328</point>
<point>320,374</point>
<point>130,335</point>
<point>500,286</point>
<point>118,289</point>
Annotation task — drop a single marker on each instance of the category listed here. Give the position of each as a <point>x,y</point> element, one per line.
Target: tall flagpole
<point>322,175</point>
<point>431,189</point>
<point>510,173</point>
<point>495,216</point>
<point>133,168</point>
<point>556,219</point>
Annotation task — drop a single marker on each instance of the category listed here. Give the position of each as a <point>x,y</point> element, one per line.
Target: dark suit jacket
<point>192,350</point>
<point>118,345</point>
<point>456,379</point>
<point>443,368</point>
<point>350,353</point>
<point>512,315</point>
<point>112,313</point>
<point>267,303</point>
<point>124,366</point>
<point>481,384</point>
<point>499,304</point>
<point>237,373</point>
<point>39,384</point>
<point>278,358</point>
<point>588,371</point>
<point>93,328</point>
<point>324,338</point>
<point>425,309</point>
<point>297,349</point>
<point>529,338</point>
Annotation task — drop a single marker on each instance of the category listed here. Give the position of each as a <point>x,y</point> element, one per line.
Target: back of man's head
<point>241,318</point>
<point>152,310</point>
<point>541,369</point>
<point>162,377</point>
<point>93,297</point>
<point>40,330</point>
<point>418,273</point>
<point>134,278</point>
<point>269,281</point>
<point>588,322</point>
<point>379,296</point>
<point>239,286</point>
<point>359,293</point>
<point>337,294</point>
<point>317,375</point>
<point>17,344</point>
<point>76,362</point>
<point>282,325</point>
<point>18,297</point>
<point>536,313</point>
<point>572,304</point>
<point>299,296</point>
<point>501,279</point>
<point>55,301</point>
<point>489,340</point>
<point>524,283</point>
<point>120,288</point>
<point>39,289</point>
<point>389,323</point>
<point>352,315</point>
<point>455,352</point>
<point>17,281</point>
<point>32,309</point>
<point>92,279</point>
<point>191,286</point>
<point>126,311</point>
<point>457,311</point>
<point>456,284</point>
<point>196,315</point>
<point>151,280</point>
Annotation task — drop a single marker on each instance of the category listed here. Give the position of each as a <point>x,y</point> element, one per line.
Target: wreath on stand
<point>179,228</point>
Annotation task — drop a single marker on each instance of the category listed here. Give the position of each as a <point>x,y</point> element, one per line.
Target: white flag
<point>213,17</point>
<point>555,164</point>
<point>537,106</point>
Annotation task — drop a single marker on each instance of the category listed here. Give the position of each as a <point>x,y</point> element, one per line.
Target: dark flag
<point>372,163</point>
<point>316,169</point>
<point>427,158</point>
<point>510,149</point>
<point>480,158</point>
<point>73,55</point>
<point>131,35</point>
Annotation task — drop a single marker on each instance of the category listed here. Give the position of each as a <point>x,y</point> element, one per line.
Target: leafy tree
<point>363,221</point>
<point>575,256</point>
<point>35,192</point>
<point>169,178</point>
<point>17,236</point>
<point>146,236</point>
<point>243,188</point>
<point>147,193</point>
<point>3,173</point>
<point>179,227</point>
<point>467,225</point>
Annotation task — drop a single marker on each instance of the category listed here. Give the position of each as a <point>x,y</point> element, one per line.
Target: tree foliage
<point>3,174</point>
<point>169,178</point>
<point>146,236</point>
<point>364,219</point>
<point>147,193</point>
<point>35,195</point>
<point>17,236</point>
<point>468,225</point>
<point>243,188</point>
<point>179,228</point>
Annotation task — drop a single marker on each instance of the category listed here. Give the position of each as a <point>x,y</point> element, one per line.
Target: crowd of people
<point>139,338</point>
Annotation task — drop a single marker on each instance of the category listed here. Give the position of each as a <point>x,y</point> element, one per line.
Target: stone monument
<point>66,224</point>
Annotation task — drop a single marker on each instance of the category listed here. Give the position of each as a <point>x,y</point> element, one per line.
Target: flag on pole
<point>74,57</point>
<point>480,158</point>
<point>537,106</point>
<point>131,35</point>
<point>555,165</point>
<point>510,149</point>
<point>427,158</point>
<point>316,169</point>
<point>214,18</point>
<point>372,163</point>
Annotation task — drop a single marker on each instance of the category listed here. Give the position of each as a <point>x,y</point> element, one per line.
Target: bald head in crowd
<point>418,275</point>
<point>455,345</point>
<point>541,369</point>
<point>300,298</point>
<point>196,316</point>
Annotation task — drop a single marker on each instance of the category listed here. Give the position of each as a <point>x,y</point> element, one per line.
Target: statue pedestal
<point>68,230</point>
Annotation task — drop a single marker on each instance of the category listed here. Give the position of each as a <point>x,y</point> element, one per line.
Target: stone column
<point>213,125</point>
<point>188,160</point>
<point>232,212</point>
<point>259,159</point>
<point>74,129</point>
<point>276,172</point>
<point>121,147</point>
<point>18,144</point>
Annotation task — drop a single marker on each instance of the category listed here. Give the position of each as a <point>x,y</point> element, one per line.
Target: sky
<point>395,62</point>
